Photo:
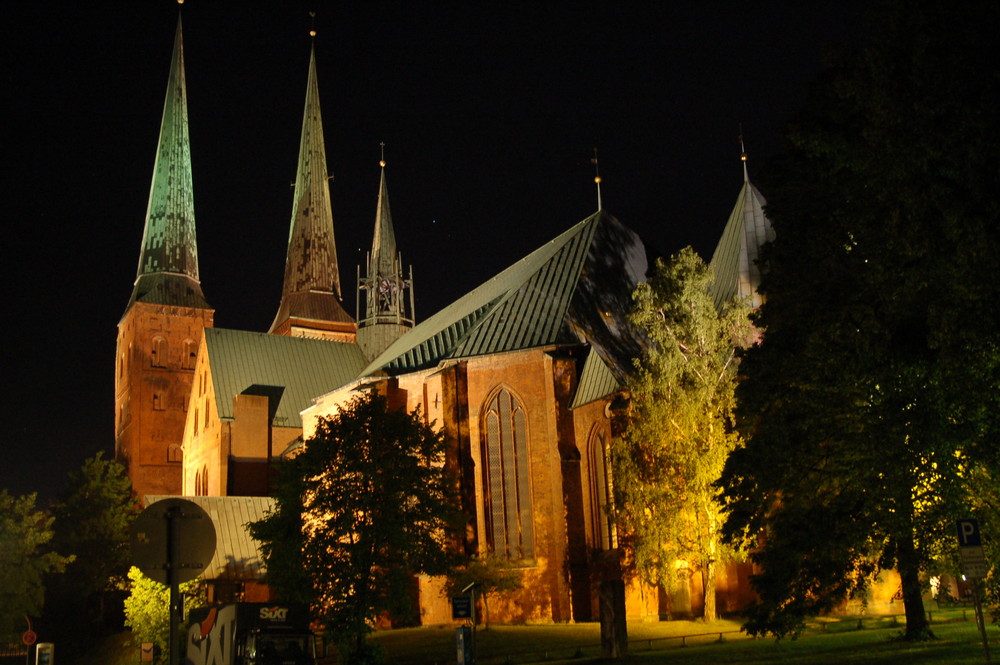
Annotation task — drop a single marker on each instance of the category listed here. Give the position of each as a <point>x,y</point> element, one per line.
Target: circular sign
<point>195,540</point>
<point>29,637</point>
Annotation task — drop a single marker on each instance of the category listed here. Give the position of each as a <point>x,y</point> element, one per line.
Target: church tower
<point>385,318</point>
<point>159,334</point>
<point>310,298</point>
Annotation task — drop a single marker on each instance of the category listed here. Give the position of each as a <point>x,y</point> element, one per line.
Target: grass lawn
<point>829,641</point>
<point>826,641</point>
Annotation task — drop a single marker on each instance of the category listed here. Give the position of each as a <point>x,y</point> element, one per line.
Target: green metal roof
<point>297,368</point>
<point>596,381</point>
<point>237,554</point>
<point>734,261</point>
<point>576,289</point>
<point>168,262</point>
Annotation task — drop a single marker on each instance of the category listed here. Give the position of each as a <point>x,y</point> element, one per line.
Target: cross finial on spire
<point>312,29</point>
<point>597,179</point>
<point>381,161</point>
<point>743,155</point>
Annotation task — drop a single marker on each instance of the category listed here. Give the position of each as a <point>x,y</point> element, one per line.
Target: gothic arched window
<point>506,478</point>
<point>600,492</point>
<point>174,453</point>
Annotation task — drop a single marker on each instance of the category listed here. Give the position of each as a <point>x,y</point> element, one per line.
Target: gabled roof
<point>237,555</point>
<point>734,261</point>
<point>296,368</point>
<point>168,260</point>
<point>311,289</point>
<point>596,381</point>
<point>576,289</point>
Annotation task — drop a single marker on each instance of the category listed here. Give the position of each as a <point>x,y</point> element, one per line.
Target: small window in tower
<point>159,404</point>
<point>189,353</point>
<point>174,453</point>
<point>196,422</point>
<point>208,403</point>
<point>158,354</point>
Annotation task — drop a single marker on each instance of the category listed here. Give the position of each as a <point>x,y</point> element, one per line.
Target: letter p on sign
<point>968,533</point>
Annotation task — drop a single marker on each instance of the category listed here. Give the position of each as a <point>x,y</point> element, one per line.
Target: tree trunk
<point>708,584</point>
<point>917,627</point>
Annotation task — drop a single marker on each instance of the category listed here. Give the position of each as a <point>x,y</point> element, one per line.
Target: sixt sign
<point>274,613</point>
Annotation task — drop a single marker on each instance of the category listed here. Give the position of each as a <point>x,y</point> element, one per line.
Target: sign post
<point>173,541</point>
<point>974,566</point>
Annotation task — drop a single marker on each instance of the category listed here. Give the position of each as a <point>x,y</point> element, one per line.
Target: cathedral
<point>521,373</point>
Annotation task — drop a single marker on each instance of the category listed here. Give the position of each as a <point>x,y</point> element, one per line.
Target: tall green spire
<point>168,262</point>
<point>311,293</point>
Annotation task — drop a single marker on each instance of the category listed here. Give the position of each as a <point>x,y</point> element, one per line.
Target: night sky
<point>489,112</point>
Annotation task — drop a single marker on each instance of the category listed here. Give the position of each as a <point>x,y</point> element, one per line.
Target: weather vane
<point>312,29</point>
<point>597,178</point>
<point>743,155</point>
<point>381,161</point>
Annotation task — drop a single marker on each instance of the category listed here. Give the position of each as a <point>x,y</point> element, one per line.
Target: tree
<point>678,429</point>
<point>873,400</point>
<point>25,559</point>
<point>147,609</point>
<point>92,521</point>
<point>376,507</point>
<point>491,574</point>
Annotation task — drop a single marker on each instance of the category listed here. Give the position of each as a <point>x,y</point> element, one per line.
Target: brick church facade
<point>522,373</point>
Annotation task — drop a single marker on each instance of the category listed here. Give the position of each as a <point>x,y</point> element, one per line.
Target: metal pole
<point>173,556</point>
<point>980,620</point>
<point>473,594</point>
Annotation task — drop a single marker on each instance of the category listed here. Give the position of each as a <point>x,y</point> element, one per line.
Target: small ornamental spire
<point>743,156</point>
<point>597,179</point>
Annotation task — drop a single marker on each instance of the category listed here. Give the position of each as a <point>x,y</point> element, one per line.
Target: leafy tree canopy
<point>92,520</point>
<point>679,430</point>
<point>25,560</point>
<point>873,401</point>
<point>147,609</point>
<point>375,505</point>
<point>491,574</point>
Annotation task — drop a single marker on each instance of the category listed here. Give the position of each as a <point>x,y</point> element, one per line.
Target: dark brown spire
<point>310,299</point>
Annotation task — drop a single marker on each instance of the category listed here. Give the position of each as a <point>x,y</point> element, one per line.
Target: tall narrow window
<point>158,353</point>
<point>509,526</point>
<point>600,492</point>
<point>189,353</point>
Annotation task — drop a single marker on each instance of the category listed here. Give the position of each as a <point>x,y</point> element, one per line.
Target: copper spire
<point>168,261</point>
